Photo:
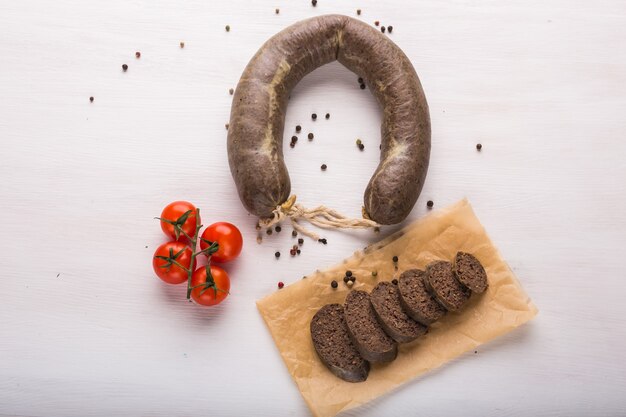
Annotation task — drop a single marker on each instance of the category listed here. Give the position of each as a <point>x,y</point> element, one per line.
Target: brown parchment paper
<point>502,308</point>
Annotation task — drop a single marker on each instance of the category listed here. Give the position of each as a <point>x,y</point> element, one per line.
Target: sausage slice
<point>415,298</point>
<point>385,298</point>
<point>370,339</point>
<point>470,272</point>
<point>332,343</point>
<point>442,283</point>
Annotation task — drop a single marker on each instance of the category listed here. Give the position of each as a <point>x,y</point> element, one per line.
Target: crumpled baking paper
<point>502,308</point>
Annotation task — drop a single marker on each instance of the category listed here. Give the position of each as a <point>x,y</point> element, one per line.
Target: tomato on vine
<point>228,238</point>
<point>212,288</point>
<point>178,220</point>
<point>172,261</point>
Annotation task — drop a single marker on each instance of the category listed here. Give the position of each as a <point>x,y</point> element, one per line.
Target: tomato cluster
<point>175,261</point>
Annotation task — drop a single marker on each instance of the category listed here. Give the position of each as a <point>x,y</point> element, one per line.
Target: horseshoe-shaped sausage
<point>257,118</point>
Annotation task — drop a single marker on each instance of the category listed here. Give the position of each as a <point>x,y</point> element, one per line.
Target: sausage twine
<point>320,216</point>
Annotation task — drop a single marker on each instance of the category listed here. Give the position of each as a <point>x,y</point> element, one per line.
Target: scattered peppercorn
<point>394,281</point>
<point>479,146</point>
<point>182,45</point>
<point>360,80</point>
<point>231,91</point>
<point>327,116</point>
<point>310,136</point>
<point>323,240</point>
<point>358,12</point>
<point>137,54</point>
<point>323,167</point>
<point>278,229</point>
<point>257,227</point>
<point>298,251</point>
<point>292,145</point>
<point>361,147</point>
<point>374,273</point>
<point>353,279</point>
<point>280,284</point>
<point>227,28</point>
<point>358,142</point>
<point>394,259</point>
<point>294,233</point>
<point>349,283</point>
<point>382,29</point>
<point>348,273</point>
<point>227,126</point>
<point>298,128</point>
<point>277,255</point>
<point>91,99</point>
<point>268,231</point>
<point>346,279</point>
<point>429,204</point>
<point>389,29</point>
<point>314,3</point>
<point>377,23</point>
<point>277,11</point>
<point>294,139</point>
<point>125,67</point>
<point>314,116</point>
<point>362,86</point>
<point>333,284</point>
<point>292,252</point>
<point>300,241</point>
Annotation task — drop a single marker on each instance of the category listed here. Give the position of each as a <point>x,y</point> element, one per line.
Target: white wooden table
<point>87,330</point>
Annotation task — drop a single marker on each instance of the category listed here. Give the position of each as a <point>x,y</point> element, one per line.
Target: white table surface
<point>87,330</point>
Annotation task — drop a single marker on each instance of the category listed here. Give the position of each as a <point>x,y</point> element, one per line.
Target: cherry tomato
<point>168,271</point>
<point>175,212</point>
<point>216,290</point>
<point>227,236</point>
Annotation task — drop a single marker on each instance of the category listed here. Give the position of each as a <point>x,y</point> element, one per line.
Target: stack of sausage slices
<point>368,327</point>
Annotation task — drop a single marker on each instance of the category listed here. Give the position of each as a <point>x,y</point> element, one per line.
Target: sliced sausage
<point>385,299</point>
<point>255,135</point>
<point>415,298</point>
<point>370,339</point>
<point>441,282</point>
<point>332,343</point>
<point>470,272</point>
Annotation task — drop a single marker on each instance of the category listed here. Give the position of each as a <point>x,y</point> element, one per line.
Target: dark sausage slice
<point>365,332</point>
<point>385,298</point>
<point>470,272</point>
<point>333,346</point>
<point>441,282</point>
<point>415,298</point>
<point>255,136</point>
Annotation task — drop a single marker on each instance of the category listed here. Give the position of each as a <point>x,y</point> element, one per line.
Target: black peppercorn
<point>294,139</point>
<point>314,116</point>
<point>479,146</point>
<point>358,12</point>
<point>278,229</point>
<point>298,128</point>
<point>333,284</point>
<point>300,241</point>
<point>231,91</point>
<point>362,86</point>
<point>389,29</point>
<point>310,136</point>
<point>268,231</point>
<point>346,279</point>
<point>137,54</point>
<point>361,147</point>
<point>125,67</point>
<point>277,11</point>
<point>327,116</point>
<point>91,99</point>
<point>348,273</point>
<point>394,259</point>
<point>227,28</point>
<point>323,167</point>
<point>314,3</point>
<point>277,255</point>
<point>394,281</point>
<point>298,251</point>
<point>429,204</point>
<point>382,29</point>
<point>294,233</point>
<point>377,23</point>
<point>322,240</point>
<point>353,279</point>
<point>182,45</point>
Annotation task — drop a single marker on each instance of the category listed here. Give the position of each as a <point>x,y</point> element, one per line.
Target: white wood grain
<point>542,85</point>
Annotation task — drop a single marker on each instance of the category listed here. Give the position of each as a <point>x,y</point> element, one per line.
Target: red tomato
<point>176,213</point>
<point>216,290</point>
<point>227,236</point>
<point>168,271</point>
